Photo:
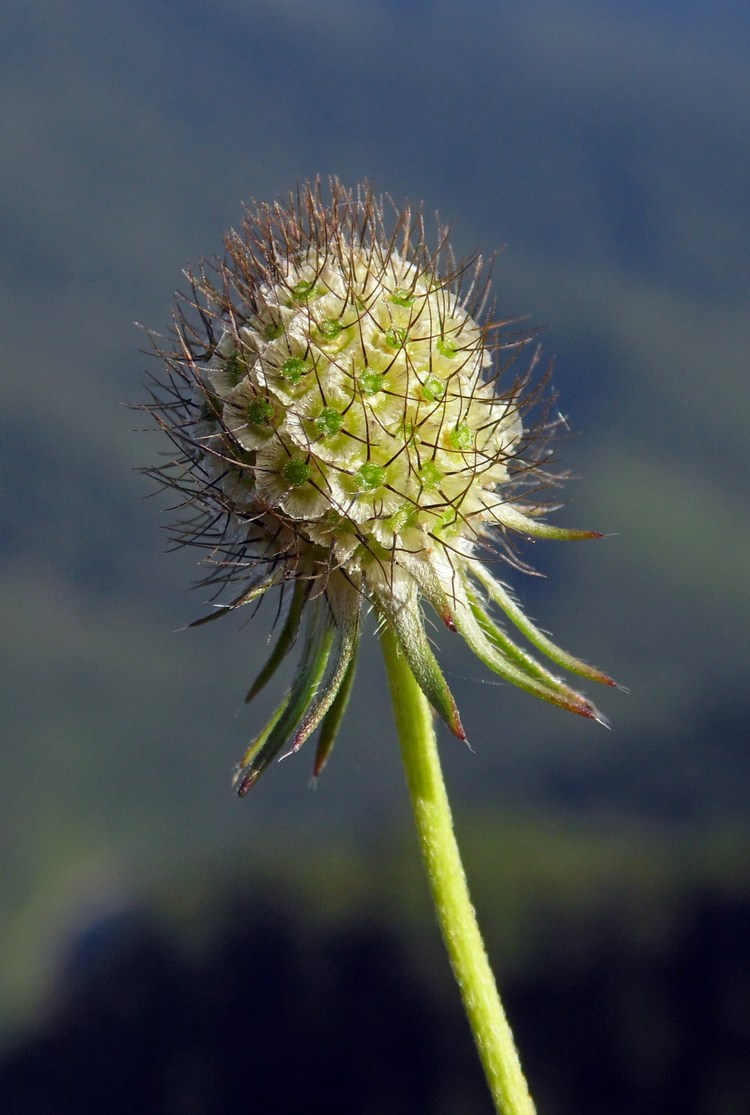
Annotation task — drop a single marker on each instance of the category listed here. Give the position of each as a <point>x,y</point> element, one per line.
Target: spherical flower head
<point>337,395</point>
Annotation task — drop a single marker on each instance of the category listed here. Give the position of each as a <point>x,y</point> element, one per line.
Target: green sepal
<point>285,641</point>
<point>345,645</point>
<point>319,639</point>
<point>245,597</point>
<point>514,519</point>
<point>332,720</point>
<point>406,620</point>
<point>535,669</point>
<point>554,690</point>
<point>430,584</point>
<point>245,774</point>
<point>500,596</point>
<point>505,645</point>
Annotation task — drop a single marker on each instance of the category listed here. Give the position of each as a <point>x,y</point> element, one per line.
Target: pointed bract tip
<point>576,702</point>
<point>321,758</point>
<point>570,534</point>
<point>576,535</point>
<point>299,738</point>
<point>220,610</point>
<point>456,726</point>
<point>591,712</point>
<point>244,780</point>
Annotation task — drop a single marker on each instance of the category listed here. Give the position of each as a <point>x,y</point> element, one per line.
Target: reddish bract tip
<point>581,706</point>
<point>456,726</point>
<point>242,785</point>
<point>591,712</point>
<point>602,678</point>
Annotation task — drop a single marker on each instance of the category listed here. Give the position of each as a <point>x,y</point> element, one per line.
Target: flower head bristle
<point>340,402</point>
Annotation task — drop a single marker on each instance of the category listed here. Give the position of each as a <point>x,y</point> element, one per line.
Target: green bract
<point>346,434</point>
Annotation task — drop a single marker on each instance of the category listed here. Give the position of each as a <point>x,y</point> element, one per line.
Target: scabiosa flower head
<point>347,432</point>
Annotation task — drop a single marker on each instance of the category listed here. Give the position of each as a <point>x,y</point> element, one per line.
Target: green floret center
<point>296,471</point>
<point>461,437</point>
<point>330,328</point>
<point>304,290</point>
<point>234,369</point>
<point>402,297</point>
<point>430,475</point>
<point>370,477</point>
<point>448,519</point>
<point>447,348</point>
<point>371,383</point>
<point>395,337</point>
<point>260,413</point>
<point>433,389</point>
<point>294,369</point>
<point>329,422</point>
<point>406,516</point>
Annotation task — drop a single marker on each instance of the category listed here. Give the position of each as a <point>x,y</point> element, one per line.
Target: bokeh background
<point>608,146</point>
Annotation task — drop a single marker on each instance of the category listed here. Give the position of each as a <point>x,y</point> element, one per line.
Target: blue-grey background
<point>608,146</point>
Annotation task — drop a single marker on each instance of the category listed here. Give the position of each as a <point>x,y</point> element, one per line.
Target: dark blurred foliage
<point>276,1018</point>
<point>272,1020</point>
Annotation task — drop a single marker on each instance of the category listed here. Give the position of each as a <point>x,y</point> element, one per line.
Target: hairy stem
<point>456,916</point>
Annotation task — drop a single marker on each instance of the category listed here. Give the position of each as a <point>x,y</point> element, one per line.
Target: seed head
<point>337,396</point>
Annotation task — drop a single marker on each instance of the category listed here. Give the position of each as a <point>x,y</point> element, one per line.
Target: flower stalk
<point>455,913</point>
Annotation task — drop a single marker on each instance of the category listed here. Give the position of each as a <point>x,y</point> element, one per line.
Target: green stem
<point>456,916</point>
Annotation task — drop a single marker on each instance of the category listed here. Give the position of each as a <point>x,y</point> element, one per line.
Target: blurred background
<point>168,948</point>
